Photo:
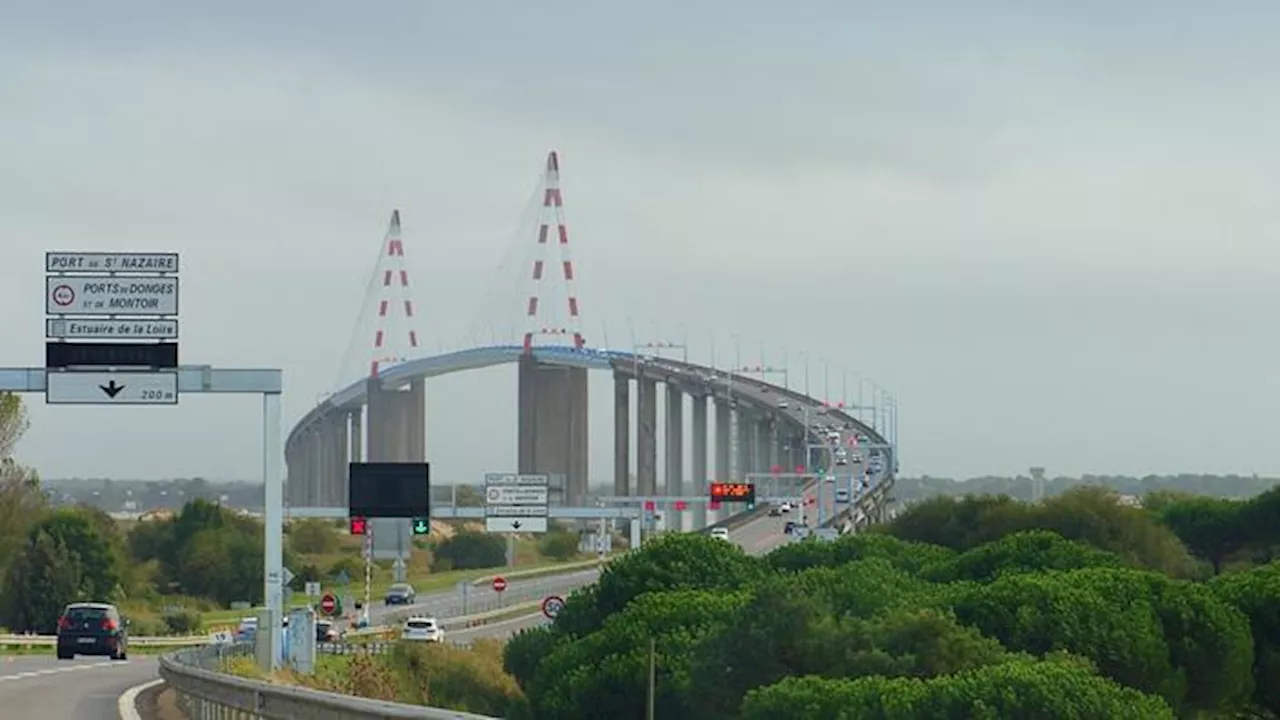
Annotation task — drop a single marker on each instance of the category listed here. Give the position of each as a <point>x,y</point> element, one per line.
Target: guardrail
<point>203,692</point>
<point>15,640</point>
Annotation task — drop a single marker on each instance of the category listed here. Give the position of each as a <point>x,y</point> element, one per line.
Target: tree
<point>670,562</point>
<point>961,523</point>
<point>1142,630</point>
<point>81,533</point>
<point>1212,528</point>
<point>1031,551</point>
<point>1017,689</point>
<point>904,555</point>
<point>42,579</point>
<point>603,674</point>
<point>1256,593</point>
<point>21,501</point>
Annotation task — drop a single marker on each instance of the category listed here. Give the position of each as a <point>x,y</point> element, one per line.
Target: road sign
<point>106,262</point>
<point>342,578</point>
<point>516,503</point>
<point>313,589</point>
<point>160,356</point>
<point>681,505</point>
<point>110,295</point>
<point>222,637</point>
<point>111,388</point>
<point>329,604</point>
<point>552,605</point>
<point>288,577</point>
<point>515,495</point>
<point>144,329</point>
<point>499,583</point>
<point>515,524</point>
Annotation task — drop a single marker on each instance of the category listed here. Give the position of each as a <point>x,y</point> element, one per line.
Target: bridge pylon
<point>552,416</point>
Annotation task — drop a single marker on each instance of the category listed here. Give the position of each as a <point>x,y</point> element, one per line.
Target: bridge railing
<point>204,691</point>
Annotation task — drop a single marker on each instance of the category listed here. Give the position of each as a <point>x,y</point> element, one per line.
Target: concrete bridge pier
<point>674,448</point>
<point>746,445</point>
<point>621,434</point>
<point>723,446</point>
<point>647,436</point>
<point>699,469</point>
<point>552,424</point>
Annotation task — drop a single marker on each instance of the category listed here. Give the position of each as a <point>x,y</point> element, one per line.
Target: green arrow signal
<point>421,526</point>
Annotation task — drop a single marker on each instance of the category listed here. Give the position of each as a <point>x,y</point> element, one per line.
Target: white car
<point>785,507</point>
<point>842,495</point>
<point>720,533</point>
<point>422,629</point>
<point>783,404</point>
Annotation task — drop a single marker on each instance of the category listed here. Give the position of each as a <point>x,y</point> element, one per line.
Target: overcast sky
<point>1050,229</point>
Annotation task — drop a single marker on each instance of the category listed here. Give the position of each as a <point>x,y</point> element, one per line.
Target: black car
<point>326,632</point>
<point>92,629</point>
<point>400,594</point>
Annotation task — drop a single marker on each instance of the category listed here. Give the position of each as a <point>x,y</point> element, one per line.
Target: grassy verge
<point>37,650</point>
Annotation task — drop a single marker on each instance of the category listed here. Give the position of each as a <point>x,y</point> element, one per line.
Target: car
<point>775,511</point>
<point>326,631</point>
<point>720,533</point>
<point>789,528</point>
<point>422,629</point>
<point>783,404</point>
<point>90,628</point>
<point>247,630</point>
<point>400,594</point>
<point>786,507</point>
<point>856,457</point>
<point>842,495</point>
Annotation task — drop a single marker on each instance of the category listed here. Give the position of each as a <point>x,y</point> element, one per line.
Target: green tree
<point>603,674</point>
<point>961,523</point>
<point>1016,689</point>
<point>1031,551</point>
<point>21,502</point>
<point>524,652</point>
<point>1141,629</point>
<point>1256,593</point>
<point>1212,528</point>
<point>469,550</point>
<point>905,555</point>
<point>80,532</point>
<point>670,562</point>
<point>41,580</point>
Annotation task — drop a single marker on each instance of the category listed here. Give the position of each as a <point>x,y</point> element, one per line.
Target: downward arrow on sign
<point>515,525</point>
<point>111,389</point>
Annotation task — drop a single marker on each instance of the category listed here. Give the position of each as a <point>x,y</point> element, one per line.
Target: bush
<point>184,622</point>
<point>470,550</point>
<point>312,537</point>
<point>558,545</point>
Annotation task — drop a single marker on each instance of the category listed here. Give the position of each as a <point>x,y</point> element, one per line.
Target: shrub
<point>183,622</point>
<point>558,545</point>
<point>469,550</point>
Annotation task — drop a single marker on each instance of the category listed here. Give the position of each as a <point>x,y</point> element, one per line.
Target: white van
<point>720,533</point>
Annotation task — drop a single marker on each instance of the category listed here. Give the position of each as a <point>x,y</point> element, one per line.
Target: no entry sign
<point>499,584</point>
<point>328,604</point>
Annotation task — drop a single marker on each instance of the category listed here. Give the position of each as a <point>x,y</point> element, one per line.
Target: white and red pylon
<point>546,314</point>
<point>386,331</point>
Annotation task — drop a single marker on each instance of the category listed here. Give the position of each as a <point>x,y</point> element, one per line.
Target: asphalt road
<point>450,603</point>
<point>86,688</point>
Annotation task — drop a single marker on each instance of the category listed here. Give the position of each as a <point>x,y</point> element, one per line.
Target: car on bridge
<point>720,533</point>
<point>88,628</point>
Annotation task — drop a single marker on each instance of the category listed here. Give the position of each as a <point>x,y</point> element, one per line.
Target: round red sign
<point>328,604</point>
<point>499,584</point>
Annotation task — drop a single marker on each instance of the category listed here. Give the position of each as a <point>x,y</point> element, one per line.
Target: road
<point>40,686</point>
<point>449,603</point>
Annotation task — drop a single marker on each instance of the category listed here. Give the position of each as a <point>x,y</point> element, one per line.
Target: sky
<point>1048,229</point>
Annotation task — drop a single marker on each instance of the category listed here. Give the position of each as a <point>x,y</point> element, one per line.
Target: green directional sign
<point>421,526</point>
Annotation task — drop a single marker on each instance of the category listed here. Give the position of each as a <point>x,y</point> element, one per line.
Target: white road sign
<point>73,262</point>
<point>313,589</point>
<point>146,329</point>
<point>111,388</point>
<point>515,502</point>
<point>516,495</point>
<point>96,295</point>
<point>515,510</point>
<point>515,524</point>
<point>514,479</point>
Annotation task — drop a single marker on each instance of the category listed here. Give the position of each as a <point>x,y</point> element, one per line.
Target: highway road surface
<point>41,687</point>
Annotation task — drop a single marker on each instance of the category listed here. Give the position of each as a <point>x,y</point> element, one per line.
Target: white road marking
<point>127,705</point>
<point>54,671</point>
